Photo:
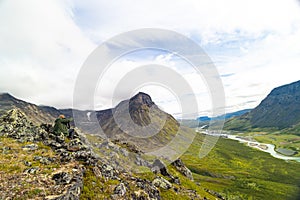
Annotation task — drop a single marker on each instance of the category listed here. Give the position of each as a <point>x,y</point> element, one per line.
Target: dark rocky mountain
<point>139,121</point>
<point>280,109</point>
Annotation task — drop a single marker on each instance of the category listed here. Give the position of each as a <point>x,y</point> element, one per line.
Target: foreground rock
<point>179,165</point>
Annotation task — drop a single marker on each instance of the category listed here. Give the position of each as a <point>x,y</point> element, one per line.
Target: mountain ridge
<point>279,110</point>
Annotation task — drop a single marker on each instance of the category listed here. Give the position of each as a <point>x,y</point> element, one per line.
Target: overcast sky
<point>255,45</point>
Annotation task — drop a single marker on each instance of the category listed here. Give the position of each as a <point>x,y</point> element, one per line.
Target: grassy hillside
<point>240,172</point>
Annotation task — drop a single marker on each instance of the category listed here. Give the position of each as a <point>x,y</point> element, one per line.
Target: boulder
<point>179,165</point>
<point>162,183</point>
<point>62,178</point>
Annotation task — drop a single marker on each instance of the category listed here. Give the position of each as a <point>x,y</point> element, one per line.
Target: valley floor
<point>241,172</point>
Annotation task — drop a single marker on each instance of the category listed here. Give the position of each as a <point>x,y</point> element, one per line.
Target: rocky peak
<point>141,99</point>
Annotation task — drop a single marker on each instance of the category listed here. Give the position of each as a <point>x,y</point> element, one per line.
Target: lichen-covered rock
<point>62,178</point>
<point>14,124</point>
<point>120,190</point>
<point>159,166</point>
<point>30,147</point>
<point>32,170</point>
<point>162,183</point>
<point>179,165</point>
<point>76,145</point>
<point>141,162</point>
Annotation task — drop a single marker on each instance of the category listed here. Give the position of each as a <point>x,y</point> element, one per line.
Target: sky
<point>255,46</point>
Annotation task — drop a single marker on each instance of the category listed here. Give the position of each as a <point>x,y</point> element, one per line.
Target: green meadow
<point>239,172</point>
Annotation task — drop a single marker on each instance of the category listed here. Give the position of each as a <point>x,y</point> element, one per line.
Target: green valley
<point>239,172</point>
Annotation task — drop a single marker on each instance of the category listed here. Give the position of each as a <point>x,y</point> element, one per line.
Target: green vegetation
<point>95,187</point>
<point>240,172</point>
<point>283,141</point>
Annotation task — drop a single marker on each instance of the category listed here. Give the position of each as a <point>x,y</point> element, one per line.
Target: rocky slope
<point>280,109</point>
<point>36,164</point>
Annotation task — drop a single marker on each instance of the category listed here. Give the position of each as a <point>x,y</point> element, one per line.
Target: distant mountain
<point>35,113</point>
<point>38,114</point>
<point>225,116</point>
<point>280,110</point>
<point>137,120</point>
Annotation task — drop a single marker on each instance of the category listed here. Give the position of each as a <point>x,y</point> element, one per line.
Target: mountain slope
<point>280,110</point>
<point>39,114</point>
<point>139,121</point>
<point>34,112</point>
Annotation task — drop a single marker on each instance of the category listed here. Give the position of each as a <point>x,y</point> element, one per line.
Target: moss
<point>96,188</point>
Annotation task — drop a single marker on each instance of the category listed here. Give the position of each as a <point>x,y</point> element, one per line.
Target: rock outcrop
<point>179,165</point>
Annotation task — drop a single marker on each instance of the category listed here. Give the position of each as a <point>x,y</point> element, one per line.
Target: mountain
<point>139,120</point>
<point>225,116</point>
<point>280,110</point>
<point>38,114</point>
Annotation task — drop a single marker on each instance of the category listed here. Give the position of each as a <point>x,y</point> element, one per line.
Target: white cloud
<point>44,43</point>
<point>41,50</point>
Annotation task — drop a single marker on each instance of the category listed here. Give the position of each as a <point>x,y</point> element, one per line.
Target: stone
<point>108,171</point>
<point>62,178</point>
<point>159,166</point>
<point>120,189</point>
<point>30,147</point>
<point>179,165</point>
<point>162,183</point>
<point>124,152</point>
<point>43,160</point>
<point>176,180</point>
<point>32,170</point>
<point>141,162</point>
<point>27,163</point>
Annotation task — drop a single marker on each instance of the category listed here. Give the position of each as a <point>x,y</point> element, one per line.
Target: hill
<point>279,110</point>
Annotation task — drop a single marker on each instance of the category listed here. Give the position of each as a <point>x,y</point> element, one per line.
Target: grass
<point>19,185</point>
<point>240,172</point>
<point>96,188</point>
<point>13,156</point>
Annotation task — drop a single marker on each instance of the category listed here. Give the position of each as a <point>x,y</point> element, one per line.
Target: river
<point>269,148</point>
